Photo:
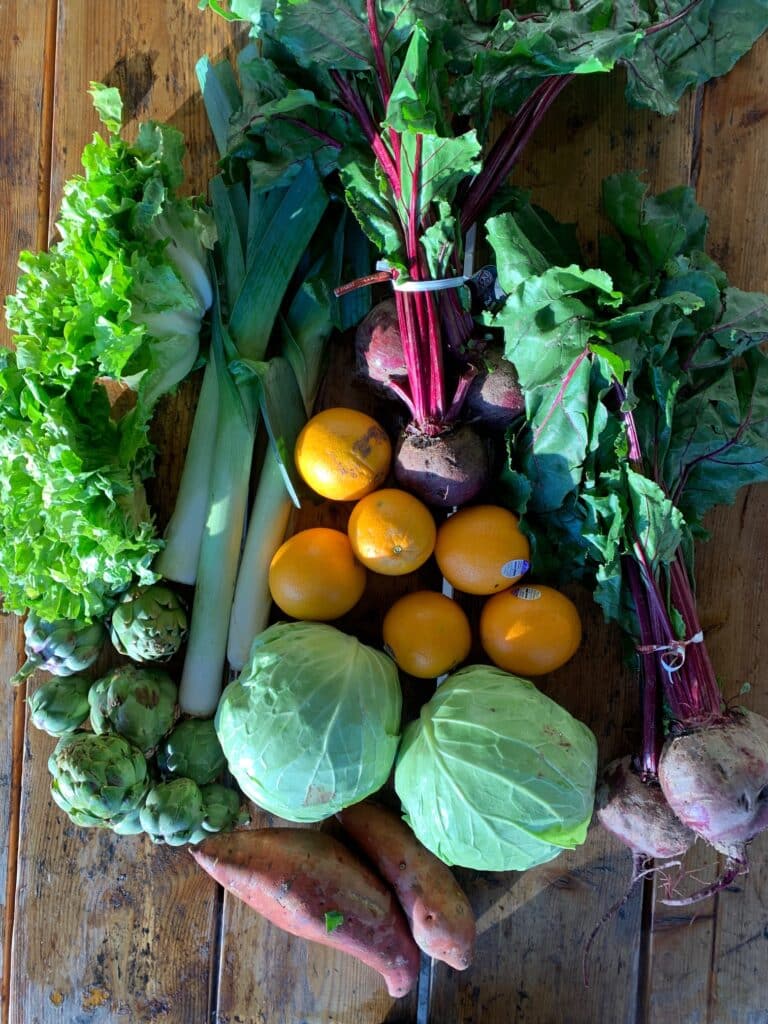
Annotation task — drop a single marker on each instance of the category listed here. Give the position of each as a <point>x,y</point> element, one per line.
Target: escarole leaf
<point>117,300</point>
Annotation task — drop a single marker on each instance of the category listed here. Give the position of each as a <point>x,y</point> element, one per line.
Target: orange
<point>314,575</point>
<point>391,531</point>
<point>530,630</point>
<point>481,549</point>
<point>427,634</point>
<point>343,454</point>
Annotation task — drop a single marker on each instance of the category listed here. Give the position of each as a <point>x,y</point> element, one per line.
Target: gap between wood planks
<point>20,693</point>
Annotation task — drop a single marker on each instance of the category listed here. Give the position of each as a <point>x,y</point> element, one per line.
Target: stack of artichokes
<point>122,760</point>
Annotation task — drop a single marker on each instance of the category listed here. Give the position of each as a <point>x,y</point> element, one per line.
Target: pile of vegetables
<point>124,762</point>
<point>622,402</point>
<point>399,98</point>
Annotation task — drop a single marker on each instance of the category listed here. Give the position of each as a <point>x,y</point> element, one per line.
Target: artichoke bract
<point>138,703</point>
<point>149,623</point>
<point>312,723</point>
<point>98,780</point>
<point>63,647</point>
<point>192,750</point>
<point>60,706</point>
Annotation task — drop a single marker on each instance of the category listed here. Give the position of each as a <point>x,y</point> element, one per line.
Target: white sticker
<point>515,569</point>
<point>527,593</point>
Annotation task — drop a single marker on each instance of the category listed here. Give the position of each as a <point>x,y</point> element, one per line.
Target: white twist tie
<point>672,656</point>
<point>439,284</point>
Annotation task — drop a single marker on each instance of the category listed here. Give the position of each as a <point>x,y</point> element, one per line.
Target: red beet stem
<point>652,740</point>
<point>507,149</point>
<point>687,675</point>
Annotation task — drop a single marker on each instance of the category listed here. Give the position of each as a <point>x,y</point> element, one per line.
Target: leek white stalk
<point>183,535</point>
<point>202,675</point>
<point>267,529</point>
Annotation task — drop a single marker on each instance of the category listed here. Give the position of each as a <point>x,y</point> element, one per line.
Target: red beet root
<point>379,356</point>
<point>446,470</point>
<point>715,778</point>
<point>637,813</point>
<point>495,397</point>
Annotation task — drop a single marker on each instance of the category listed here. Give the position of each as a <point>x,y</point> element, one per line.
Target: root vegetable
<point>715,777</point>
<point>379,358</point>
<point>307,883</point>
<point>495,397</point>
<point>637,813</point>
<point>446,470</point>
<point>438,911</point>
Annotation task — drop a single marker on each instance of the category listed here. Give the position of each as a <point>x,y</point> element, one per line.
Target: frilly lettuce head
<point>312,723</point>
<point>494,775</point>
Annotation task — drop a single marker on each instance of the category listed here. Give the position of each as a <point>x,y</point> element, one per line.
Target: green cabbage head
<point>312,723</point>
<point>494,775</point>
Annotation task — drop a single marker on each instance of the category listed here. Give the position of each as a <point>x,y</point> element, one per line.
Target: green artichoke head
<point>138,703</point>
<point>174,813</point>
<point>192,749</point>
<point>63,647</point>
<point>97,780</point>
<point>60,706</point>
<point>224,809</point>
<point>149,623</point>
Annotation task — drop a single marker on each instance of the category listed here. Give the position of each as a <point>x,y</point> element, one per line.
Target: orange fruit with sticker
<point>530,629</point>
<point>482,550</point>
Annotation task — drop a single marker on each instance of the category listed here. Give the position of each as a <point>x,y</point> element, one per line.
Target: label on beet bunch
<point>516,568</point>
<point>527,593</point>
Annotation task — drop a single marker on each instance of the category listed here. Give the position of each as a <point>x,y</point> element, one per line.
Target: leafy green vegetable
<point>312,723</point>
<point>119,296</point>
<point>676,348</point>
<point>494,775</point>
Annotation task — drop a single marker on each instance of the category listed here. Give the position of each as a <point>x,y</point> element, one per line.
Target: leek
<point>287,396</point>
<point>282,236</point>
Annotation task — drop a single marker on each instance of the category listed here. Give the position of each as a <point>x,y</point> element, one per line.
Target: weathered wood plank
<point>25,84</point>
<point>707,964</point>
<point>534,926</point>
<point>113,928</point>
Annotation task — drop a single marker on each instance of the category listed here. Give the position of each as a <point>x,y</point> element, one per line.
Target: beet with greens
<point>398,96</point>
<point>647,390</point>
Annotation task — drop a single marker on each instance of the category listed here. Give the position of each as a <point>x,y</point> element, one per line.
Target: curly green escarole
<point>118,297</point>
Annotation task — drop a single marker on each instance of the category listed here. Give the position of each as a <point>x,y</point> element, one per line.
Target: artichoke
<point>98,780</point>
<point>193,750</point>
<point>60,706</point>
<point>63,647</point>
<point>180,811</point>
<point>149,623</point>
<point>174,813</point>
<point>223,808</point>
<point>138,703</point>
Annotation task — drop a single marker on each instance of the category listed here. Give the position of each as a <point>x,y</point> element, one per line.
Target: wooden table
<point>100,928</point>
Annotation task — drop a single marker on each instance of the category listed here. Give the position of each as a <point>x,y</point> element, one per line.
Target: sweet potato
<point>441,919</point>
<point>310,885</point>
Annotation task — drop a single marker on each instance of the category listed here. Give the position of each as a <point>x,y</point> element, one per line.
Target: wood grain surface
<point>99,928</point>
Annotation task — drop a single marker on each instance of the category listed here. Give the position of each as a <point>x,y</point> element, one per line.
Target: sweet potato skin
<point>438,911</point>
<point>293,877</point>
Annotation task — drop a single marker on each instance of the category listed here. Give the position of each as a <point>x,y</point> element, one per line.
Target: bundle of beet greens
<point>398,96</point>
<point>647,405</point>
